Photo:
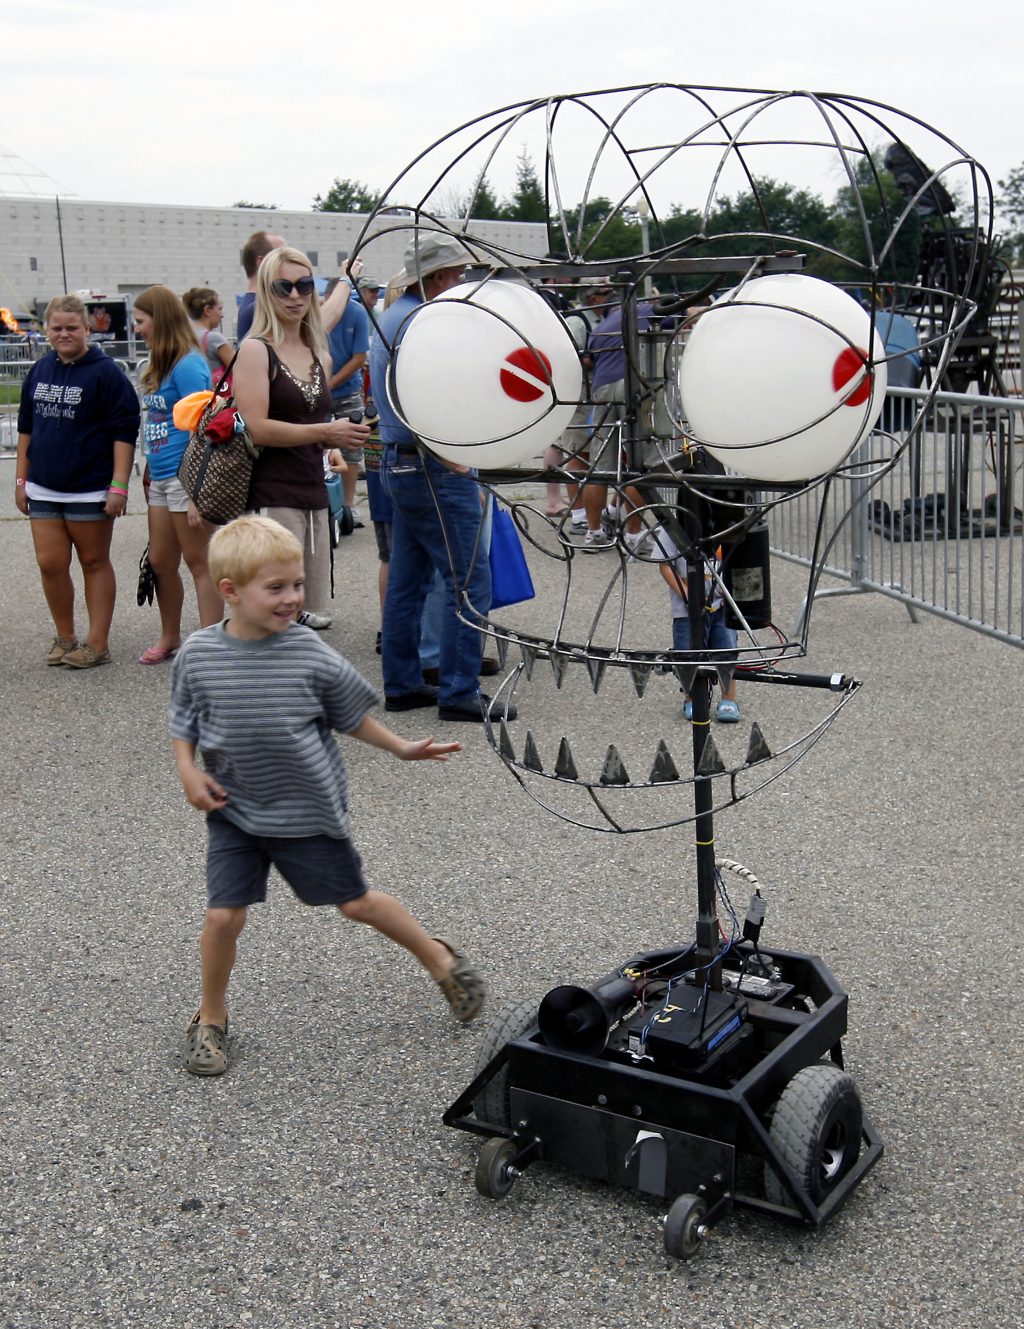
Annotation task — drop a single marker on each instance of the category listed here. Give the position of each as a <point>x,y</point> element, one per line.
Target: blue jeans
<point>430,624</point>
<point>717,637</point>
<point>435,526</point>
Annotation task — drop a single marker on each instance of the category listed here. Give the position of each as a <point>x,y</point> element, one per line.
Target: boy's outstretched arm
<point>377,735</point>
<point>201,789</point>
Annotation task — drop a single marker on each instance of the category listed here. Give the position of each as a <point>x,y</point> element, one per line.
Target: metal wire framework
<point>616,168</point>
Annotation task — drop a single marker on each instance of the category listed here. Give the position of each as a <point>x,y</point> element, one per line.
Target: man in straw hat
<point>436,519</point>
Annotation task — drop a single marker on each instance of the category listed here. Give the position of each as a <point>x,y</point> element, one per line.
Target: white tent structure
<point>20,179</point>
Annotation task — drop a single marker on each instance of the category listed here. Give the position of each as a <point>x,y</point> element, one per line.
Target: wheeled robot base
<point>654,1081</point>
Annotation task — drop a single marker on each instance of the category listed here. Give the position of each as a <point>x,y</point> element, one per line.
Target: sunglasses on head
<point>282,289</point>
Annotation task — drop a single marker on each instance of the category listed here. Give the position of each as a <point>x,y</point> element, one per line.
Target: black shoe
<point>473,709</point>
<point>412,701</point>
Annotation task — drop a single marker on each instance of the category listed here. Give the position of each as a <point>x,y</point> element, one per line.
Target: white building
<point>56,244</point>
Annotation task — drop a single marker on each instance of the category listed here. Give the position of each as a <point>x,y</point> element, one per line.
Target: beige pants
<point>313,533</point>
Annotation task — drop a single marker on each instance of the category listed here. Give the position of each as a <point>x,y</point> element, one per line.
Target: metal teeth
<point>710,759</point>
<point>686,674</point>
<point>565,767</point>
<point>501,643</point>
<point>664,769</point>
<point>640,674</point>
<point>529,658</point>
<point>595,668</point>
<point>757,749</point>
<point>505,749</point>
<point>559,664</point>
<point>613,771</point>
<point>531,757</point>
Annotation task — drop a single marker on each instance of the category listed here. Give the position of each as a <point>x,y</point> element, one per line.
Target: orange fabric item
<point>187,411</point>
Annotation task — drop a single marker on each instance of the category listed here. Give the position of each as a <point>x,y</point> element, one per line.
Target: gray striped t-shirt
<point>261,714</point>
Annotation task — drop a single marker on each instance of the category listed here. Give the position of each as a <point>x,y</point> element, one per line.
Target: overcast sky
<point>205,103</point>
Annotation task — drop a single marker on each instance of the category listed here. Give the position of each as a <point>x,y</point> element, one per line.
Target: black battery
<point>747,573</point>
<point>686,1034</point>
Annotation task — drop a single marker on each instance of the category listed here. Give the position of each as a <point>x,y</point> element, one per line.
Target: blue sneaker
<point>727,712</point>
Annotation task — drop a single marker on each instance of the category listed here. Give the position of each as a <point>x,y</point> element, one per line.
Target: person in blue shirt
<point>436,522</point>
<point>349,342</point>
<point>176,368</point>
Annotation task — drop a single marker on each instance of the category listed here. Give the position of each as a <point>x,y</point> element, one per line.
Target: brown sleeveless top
<point>293,477</point>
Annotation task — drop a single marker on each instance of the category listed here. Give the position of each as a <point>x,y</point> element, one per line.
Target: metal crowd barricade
<point>941,531</point>
<point>18,357</point>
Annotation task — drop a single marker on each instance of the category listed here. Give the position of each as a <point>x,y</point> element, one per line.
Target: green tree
<point>1010,202</point>
<point>347,196</point>
<point>871,239</point>
<point>527,203</point>
<point>605,233</point>
<point>483,204</point>
<point>769,216</point>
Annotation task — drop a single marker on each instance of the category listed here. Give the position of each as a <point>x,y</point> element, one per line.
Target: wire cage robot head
<point>721,363</point>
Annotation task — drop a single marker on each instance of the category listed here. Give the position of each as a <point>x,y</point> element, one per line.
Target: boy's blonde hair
<point>238,550</point>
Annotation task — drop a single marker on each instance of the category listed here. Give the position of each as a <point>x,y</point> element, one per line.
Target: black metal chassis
<point>670,1134</point>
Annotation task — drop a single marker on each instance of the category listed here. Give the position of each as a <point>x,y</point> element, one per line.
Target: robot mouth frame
<point>731,783</point>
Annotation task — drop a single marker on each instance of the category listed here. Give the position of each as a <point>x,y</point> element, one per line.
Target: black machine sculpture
<point>955,262</point>
<point>709,1072</point>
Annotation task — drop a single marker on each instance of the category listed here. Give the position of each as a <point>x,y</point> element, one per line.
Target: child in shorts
<point>718,638</point>
<point>258,695</point>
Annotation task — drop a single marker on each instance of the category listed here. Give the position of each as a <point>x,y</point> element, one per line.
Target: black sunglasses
<point>282,289</point>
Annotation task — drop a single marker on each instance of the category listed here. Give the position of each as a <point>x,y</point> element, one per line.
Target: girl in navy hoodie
<point>78,422</point>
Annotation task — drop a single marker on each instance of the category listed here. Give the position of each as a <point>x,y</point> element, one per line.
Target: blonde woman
<point>281,390</point>
<point>176,368</point>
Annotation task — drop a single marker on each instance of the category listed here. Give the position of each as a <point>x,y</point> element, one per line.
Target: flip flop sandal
<point>463,987</point>
<point>206,1048</point>
<point>154,655</point>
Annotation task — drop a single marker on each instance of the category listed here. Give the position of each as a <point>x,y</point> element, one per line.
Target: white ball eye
<point>777,381</point>
<point>486,374</point>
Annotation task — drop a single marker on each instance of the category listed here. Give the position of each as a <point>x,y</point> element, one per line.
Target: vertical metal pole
<point>707,940</point>
<point>60,237</point>
<point>644,212</point>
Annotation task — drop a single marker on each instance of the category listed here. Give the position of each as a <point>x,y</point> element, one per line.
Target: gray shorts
<point>606,443</point>
<point>169,493</point>
<point>318,868</point>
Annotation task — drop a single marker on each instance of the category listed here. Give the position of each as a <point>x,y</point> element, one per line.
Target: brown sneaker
<point>85,657</point>
<point>206,1048</point>
<point>462,986</point>
<point>60,648</point>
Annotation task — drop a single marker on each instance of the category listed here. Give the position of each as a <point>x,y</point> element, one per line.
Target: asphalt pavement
<point>314,1184</point>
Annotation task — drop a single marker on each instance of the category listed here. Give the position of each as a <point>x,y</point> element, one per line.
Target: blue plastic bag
<point>510,575</point>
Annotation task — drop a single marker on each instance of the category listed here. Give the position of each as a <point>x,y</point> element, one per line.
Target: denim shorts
<point>46,509</point>
<point>318,868</point>
<point>168,493</point>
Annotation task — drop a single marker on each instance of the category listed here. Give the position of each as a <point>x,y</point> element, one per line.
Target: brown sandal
<point>463,987</point>
<point>206,1048</point>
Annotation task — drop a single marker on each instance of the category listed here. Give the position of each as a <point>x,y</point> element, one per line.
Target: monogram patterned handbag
<point>216,467</point>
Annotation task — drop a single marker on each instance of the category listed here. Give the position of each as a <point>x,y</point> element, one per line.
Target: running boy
<point>259,695</point>
<point>718,638</point>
